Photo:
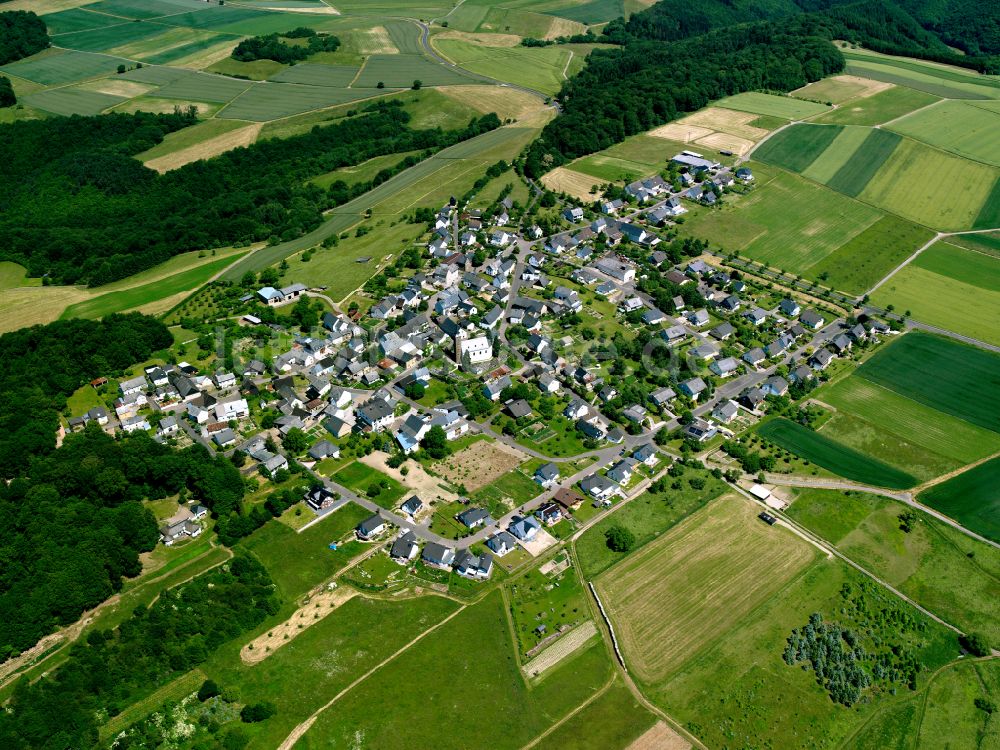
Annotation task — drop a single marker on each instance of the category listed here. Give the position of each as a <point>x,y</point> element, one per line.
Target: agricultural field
<point>613,721</point>
<point>840,89</point>
<point>785,221</point>
<point>833,455</point>
<point>944,570</point>
<point>719,129</point>
<point>971,498</point>
<point>898,174</point>
<point>962,127</point>
<point>540,68</point>
<point>785,107</point>
<point>637,156</point>
<point>518,17</point>
<point>937,286</point>
<point>937,80</point>
<point>758,697</point>
<point>940,373</point>
<point>473,650</point>
<point>656,597</point>
<point>887,105</point>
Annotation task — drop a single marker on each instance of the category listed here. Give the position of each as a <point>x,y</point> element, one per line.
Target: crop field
<point>309,670</point>
<point>840,89</point>
<point>589,11</point>
<point>757,697</point>
<point>901,419</point>
<point>270,101</point>
<point>338,76</point>
<point>696,582</point>
<point>876,109</point>
<point>567,181</point>
<point>482,690</point>
<point>520,17</point>
<point>987,242</point>
<point>786,221</point>
<point>954,576</point>
<point>777,106</point>
<point>196,136</point>
<point>937,286</point>
<point>538,68</point>
<point>865,259</point>
<point>954,378</point>
<point>508,103</point>
<point>964,128</point>
<point>834,456</point>
<point>717,129</point>
<point>971,498</point>
<point>204,87</point>
<point>70,101</point>
<point>904,176</point>
<point>105,39</point>
<point>53,67</point>
<point>77,19</point>
<point>952,82</point>
<point>400,71</point>
<point>636,156</point>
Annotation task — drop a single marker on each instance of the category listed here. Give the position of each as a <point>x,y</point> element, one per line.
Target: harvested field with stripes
<point>559,650</point>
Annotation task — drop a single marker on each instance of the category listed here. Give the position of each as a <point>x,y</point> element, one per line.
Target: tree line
<point>78,208</point>
<point>112,669</point>
<point>22,33</point>
<point>273,47</point>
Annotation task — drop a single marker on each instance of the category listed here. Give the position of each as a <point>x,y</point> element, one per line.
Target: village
<point>536,350</point>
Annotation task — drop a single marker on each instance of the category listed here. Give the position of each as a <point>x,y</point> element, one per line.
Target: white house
<point>475,351</point>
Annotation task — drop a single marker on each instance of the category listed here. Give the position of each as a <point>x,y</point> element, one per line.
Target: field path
<point>907,114</point>
<point>907,261</point>
<point>604,688</point>
<point>301,729</point>
<point>952,474</point>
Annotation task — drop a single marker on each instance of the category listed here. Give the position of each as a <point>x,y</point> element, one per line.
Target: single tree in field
<point>619,539</point>
<point>417,84</point>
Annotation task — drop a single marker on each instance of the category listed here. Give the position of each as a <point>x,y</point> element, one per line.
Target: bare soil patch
<point>311,612</point>
<point>542,541</point>
<point>207,149</point>
<point>677,131</point>
<point>660,737</point>
<point>376,41</point>
<point>726,121</point>
<point>418,481</point>
<point>479,464</point>
<point>117,87</point>
<point>577,184</point>
<point>726,142</point>
<point>564,27</point>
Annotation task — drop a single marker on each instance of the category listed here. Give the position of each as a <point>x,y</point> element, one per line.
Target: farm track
<point>597,694</point>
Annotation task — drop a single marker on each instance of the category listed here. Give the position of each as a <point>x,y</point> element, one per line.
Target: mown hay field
<point>695,582</point>
<point>834,456</point>
<point>538,68</point>
<point>776,106</point>
<point>964,128</point>
<point>839,89</point>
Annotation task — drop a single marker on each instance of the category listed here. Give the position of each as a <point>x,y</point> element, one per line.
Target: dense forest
<point>273,47</point>
<point>7,96</point>
<point>78,208</point>
<point>22,33</point>
<point>42,365</point>
<point>646,83</point>
<point>112,669</point>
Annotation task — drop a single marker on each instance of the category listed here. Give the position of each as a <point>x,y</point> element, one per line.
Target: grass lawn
<point>971,498</point>
<point>785,221</point>
<point>298,562</point>
<point>942,569</point>
<point>940,373</point>
<point>647,516</point>
<point>83,400</point>
<point>552,601</point>
<point>361,477</point>
<point>302,675</point>
<point>443,521</point>
<point>612,721</point>
<point>507,492</point>
<point>557,437</point>
<point>834,456</point>
<point>469,682</point>
<point>937,286</point>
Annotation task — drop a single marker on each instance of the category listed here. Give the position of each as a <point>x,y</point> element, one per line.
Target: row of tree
<point>273,47</point>
<point>77,208</point>
<point>22,33</point>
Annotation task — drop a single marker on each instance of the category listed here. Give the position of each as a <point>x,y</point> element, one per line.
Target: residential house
<point>524,528</point>
<point>692,388</point>
<point>600,488</point>
<point>547,475</point>
<point>700,431</point>
<point>319,498</point>
<point>473,518</point>
<point>405,548</point>
<point>647,454</point>
<point>622,470</point>
<point>725,367</point>
<point>501,543</point>
<point>437,555</point>
<point>411,506</point>
<point>371,527</point>
<point>725,411</point>
<point>821,358</point>
<point>811,319</point>
<point>775,386</point>
<point>789,307</point>
<point>375,414</point>
<point>473,566</point>
<point>755,315</point>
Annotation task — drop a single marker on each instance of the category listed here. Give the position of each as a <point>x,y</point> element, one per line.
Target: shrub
<point>255,712</point>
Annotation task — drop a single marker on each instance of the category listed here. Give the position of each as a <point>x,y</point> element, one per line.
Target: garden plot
<point>479,464</point>
<point>563,647</point>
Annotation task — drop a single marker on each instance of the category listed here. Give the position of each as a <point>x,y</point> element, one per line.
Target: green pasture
<point>270,101</point>
<point>522,19</point>
<point>785,107</point>
<point>513,486</point>
<point>13,275</point>
<point>138,296</point>
<point>107,38</point>
<point>536,599</point>
<point>865,259</point>
<point>611,722</point>
<point>54,67</point>
<point>928,83</point>
<point>298,562</point>
<point>255,70</point>
<point>647,516</point>
<point>337,76</point>
<point>964,128</point>
<point>971,498</point>
<point>940,373</point>
<point>469,682</point>
<point>925,69</point>
<point>635,157</point>
<point>594,11</point>
<point>937,288</point>
<point>539,68</point>
<point>786,221</point>
<point>878,108</point>
<point>302,675</point>
<point>70,101</point>
<point>900,419</point>
<point>400,71</point>
<point>836,457</point>
<point>953,575</point>
<point>139,8</point>
<point>986,242</point>
<point>757,697</point>
<point>363,172</point>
